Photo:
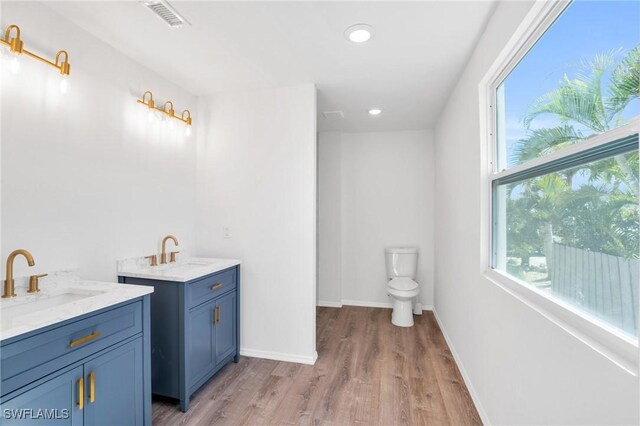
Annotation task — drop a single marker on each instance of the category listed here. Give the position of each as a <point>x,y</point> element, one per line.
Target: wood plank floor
<point>368,372</point>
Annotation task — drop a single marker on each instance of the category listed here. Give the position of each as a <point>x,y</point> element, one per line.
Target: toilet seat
<point>403,284</point>
<point>403,291</point>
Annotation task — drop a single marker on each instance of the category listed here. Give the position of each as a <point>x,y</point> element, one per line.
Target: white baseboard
<point>367,304</point>
<point>328,304</point>
<point>463,372</point>
<point>278,356</point>
<point>388,305</point>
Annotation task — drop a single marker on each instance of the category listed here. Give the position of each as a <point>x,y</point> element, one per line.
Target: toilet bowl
<point>401,264</point>
<point>402,291</point>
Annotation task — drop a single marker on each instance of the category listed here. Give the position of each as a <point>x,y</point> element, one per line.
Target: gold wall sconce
<point>16,47</point>
<point>167,110</point>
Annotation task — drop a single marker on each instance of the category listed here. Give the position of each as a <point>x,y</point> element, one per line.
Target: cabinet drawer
<point>209,287</point>
<point>36,356</point>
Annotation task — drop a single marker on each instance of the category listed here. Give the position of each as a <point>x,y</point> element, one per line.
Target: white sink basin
<point>181,269</point>
<point>191,266</point>
<point>196,262</point>
<point>10,313</point>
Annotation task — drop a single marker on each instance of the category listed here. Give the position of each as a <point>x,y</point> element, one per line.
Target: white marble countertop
<point>62,296</point>
<point>183,270</point>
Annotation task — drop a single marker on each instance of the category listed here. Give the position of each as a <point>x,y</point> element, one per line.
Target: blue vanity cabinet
<point>89,370</point>
<point>211,337</point>
<point>225,328</point>
<point>201,341</point>
<point>195,330</point>
<point>58,395</point>
<point>114,395</point>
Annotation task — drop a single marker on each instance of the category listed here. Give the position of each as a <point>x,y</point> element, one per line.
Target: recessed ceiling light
<point>359,33</point>
<point>375,111</point>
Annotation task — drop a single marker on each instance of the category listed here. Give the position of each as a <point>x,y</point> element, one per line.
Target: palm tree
<point>625,82</point>
<point>583,106</point>
<point>579,105</point>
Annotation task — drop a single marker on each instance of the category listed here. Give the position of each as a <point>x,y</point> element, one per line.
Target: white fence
<point>604,285</point>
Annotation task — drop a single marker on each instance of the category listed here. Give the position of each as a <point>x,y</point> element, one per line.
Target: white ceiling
<point>407,69</point>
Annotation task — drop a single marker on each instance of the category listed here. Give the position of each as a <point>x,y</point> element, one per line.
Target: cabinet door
<point>113,387</point>
<point>225,335</point>
<point>54,402</point>
<point>200,340</point>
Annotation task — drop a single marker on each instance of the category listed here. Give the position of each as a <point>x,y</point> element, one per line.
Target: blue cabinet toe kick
<point>195,331</point>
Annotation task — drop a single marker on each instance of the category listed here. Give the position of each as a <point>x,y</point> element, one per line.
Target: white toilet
<point>401,263</point>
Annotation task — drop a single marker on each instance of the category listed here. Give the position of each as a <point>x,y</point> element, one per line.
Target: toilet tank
<point>401,261</point>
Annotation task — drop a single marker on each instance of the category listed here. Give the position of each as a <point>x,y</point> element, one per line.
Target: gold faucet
<point>9,285</point>
<point>34,283</point>
<point>153,259</point>
<point>163,255</point>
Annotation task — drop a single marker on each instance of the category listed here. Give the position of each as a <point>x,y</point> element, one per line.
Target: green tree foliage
<point>600,212</point>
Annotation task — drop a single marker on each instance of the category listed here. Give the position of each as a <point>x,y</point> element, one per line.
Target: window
<point>565,218</point>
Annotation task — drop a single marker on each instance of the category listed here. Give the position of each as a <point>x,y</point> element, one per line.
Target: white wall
<point>85,179</point>
<point>375,190</point>
<point>330,219</point>
<point>257,176</point>
<point>521,367</point>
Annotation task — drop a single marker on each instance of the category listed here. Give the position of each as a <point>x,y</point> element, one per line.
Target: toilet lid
<point>403,284</point>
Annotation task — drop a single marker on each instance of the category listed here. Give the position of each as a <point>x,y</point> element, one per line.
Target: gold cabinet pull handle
<point>80,393</point>
<point>216,286</point>
<point>217,314</point>
<point>83,340</point>
<point>92,387</point>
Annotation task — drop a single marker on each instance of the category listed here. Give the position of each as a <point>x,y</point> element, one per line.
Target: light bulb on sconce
<point>62,63</point>
<point>169,113</point>
<point>15,45</point>
<point>14,65</point>
<point>150,104</point>
<point>64,84</point>
<point>186,118</point>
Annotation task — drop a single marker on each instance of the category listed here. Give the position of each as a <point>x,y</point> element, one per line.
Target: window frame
<point>597,334</point>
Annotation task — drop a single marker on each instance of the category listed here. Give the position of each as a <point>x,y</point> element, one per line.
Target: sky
<point>586,28</point>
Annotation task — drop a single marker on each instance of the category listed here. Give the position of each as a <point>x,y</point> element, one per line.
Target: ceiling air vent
<point>167,13</point>
<point>333,115</point>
